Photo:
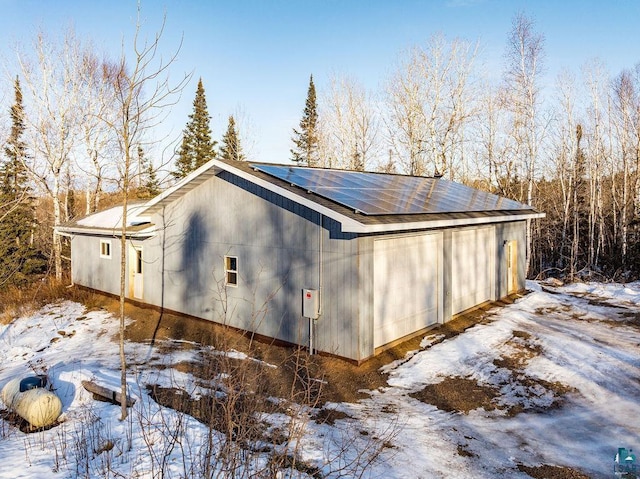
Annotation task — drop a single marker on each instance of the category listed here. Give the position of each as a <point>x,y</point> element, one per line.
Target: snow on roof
<point>112,217</point>
<point>109,222</point>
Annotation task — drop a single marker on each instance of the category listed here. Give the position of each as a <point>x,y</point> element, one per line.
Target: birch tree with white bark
<point>52,87</point>
<point>430,100</point>
<point>349,124</point>
<point>522,77</point>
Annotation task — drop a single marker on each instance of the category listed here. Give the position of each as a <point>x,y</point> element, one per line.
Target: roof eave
<point>188,183</point>
<point>437,223</point>
<point>71,231</point>
<point>349,225</point>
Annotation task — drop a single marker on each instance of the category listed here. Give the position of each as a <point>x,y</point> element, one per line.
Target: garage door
<point>407,285</point>
<point>472,268</point>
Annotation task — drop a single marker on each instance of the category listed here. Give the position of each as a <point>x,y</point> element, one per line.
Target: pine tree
<point>305,140</point>
<point>18,257</point>
<point>13,171</point>
<point>184,164</point>
<point>149,184</point>
<point>197,147</point>
<point>231,148</point>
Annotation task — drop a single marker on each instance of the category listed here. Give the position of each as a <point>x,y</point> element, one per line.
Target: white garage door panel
<point>407,285</point>
<point>472,257</point>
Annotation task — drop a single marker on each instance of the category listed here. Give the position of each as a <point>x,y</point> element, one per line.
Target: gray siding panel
<point>277,244</point>
<point>366,295</point>
<point>517,231</point>
<point>89,269</point>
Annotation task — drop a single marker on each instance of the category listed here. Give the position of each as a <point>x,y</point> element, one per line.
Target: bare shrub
<point>258,417</point>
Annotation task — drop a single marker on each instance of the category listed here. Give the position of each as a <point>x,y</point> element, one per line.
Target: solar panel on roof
<point>387,194</point>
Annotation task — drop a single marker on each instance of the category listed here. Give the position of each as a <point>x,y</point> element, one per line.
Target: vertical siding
<point>366,295</point>
<point>515,230</point>
<point>89,269</point>
<point>277,244</point>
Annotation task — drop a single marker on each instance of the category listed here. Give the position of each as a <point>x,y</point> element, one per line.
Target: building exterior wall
<point>513,231</point>
<point>279,246</point>
<point>503,232</point>
<point>89,269</point>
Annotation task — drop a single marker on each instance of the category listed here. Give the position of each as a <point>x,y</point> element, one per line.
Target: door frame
<point>136,272</point>
<point>511,253</point>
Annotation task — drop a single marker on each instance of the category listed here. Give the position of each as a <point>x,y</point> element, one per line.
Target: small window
<point>105,249</point>
<point>231,271</point>
<point>138,261</point>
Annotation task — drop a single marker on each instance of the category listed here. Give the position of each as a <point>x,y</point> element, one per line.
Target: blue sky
<point>255,56</point>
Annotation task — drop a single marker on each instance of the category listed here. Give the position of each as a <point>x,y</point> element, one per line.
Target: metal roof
<point>361,202</point>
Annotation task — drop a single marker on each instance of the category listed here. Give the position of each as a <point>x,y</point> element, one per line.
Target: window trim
<point>230,272</point>
<point>105,244</point>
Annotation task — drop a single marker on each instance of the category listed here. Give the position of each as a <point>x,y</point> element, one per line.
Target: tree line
<point>571,150</point>
<point>72,149</point>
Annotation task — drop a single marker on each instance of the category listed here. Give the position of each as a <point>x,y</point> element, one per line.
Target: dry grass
<point>17,301</point>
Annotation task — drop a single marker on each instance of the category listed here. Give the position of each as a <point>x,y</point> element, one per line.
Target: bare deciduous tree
<point>97,139</point>
<point>625,122</point>
<point>429,105</point>
<point>494,162</point>
<point>596,80</point>
<point>524,59</point>
<point>52,81</point>
<point>349,125</point>
<point>141,91</point>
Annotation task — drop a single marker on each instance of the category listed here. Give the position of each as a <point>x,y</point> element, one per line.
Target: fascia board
<point>110,233</point>
<point>184,181</point>
<point>442,223</point>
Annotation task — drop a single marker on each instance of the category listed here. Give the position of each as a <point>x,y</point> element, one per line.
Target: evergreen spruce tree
<point>149,184</point>
<point>305,139</point>
<point>231,148</point>
<point>13,171</point>
<point>18,257</point>
<point>184,163</point>
<point>197,147</point>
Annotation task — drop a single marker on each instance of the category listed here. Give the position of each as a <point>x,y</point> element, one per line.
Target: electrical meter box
<point>310,303</point>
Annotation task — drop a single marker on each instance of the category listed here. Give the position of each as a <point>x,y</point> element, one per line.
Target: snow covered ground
<point>583,338</point>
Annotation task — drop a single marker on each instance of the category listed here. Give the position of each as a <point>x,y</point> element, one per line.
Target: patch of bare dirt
<point>329,416</point>
<point>551,472</point>
<point>22,424</point>
<point>457,394</point>
<point>464,452</point>
<point>340,380</point>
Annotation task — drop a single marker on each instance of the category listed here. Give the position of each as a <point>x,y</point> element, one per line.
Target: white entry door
<point>136,268</point>
<point>473,265</point>
<point>407,285</point>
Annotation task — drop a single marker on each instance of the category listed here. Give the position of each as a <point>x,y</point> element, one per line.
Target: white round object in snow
<point>9,391</point>
<point>39,407</point>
